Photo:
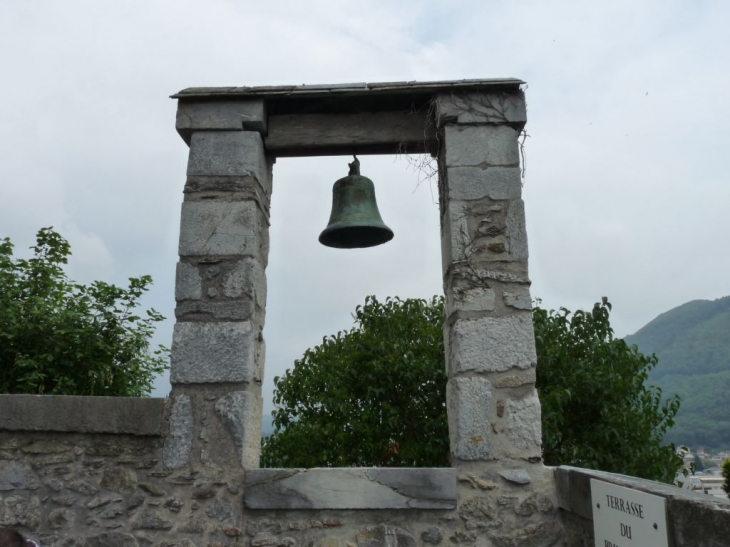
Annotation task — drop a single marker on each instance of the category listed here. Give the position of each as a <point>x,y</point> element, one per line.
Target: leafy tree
<point>375,395</point>
<point>61,337</point>
<point>597,411</point>
<point>726,475</point>
<point>369,396</point>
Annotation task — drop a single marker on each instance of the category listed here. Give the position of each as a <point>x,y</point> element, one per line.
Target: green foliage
<point>61,337</point>
<point>726,476</point>
<point>374,395</point>
<point>703,419</point>
<point>691,341</point>
<point>597,411</point>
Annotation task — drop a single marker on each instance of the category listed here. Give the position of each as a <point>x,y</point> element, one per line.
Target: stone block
<point>382,535</point>
<point>518,298</point>
<point>240,413</point>
<point>350,488</point>
<point>222,228</point>
<point>481,145</point>
<point>524,425</point>
<point>228,153</point>
<point>187,282</point>
<point>244,188</point>
<point>516,476</point>
<point>241,115</point>
<point>16,476</point>
<point>109,539</point>
<point>516,230</point>
<point>468,401</point>
<point>485,108</point>
<point>515,380</point>
<point>179,442</point>
<point>259,355</point>
<point>212,352</point>
<point>246,279</point>
<point>537,534</point>
<point>205,310</point>
<point>469,299</point>
<point>454,234</point>
<point>492,344</point>
<point>498,183</point>
<point>68,413</point>
<point>519,276</point>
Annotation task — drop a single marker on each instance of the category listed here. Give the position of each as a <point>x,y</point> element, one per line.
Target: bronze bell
<point>355,220</point>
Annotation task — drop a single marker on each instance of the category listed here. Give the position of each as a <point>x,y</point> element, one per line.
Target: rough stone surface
<point>15,475</point>
<point>516,231</point>
<point>201,310</point>
<point>120,480</point>
<point>498,183</point>
<point>218,116</point>
<point>227,153</point>
<point>515,380</point>
<point>480,513</point>
<point>492,344</point>
<point>516,476</point>
<point>246,279</point>
<point>212,352</point>
<point>220,511</point>
<point>136,415</point>
<point>524,423</point>
<point>220,228</point>
<point>503,276</point>
<point>240,413</point>
<point>179,442</point>
<point>492,108</point>
<point>111,539</point>
<point>469,401</point>
<point>382,535</point>
<point>152,521</point>
<point>187,282</point>
<point>350,488</point>
<point>481,145</point>
<point>433,535</point>
<point>470,299</point>
<point>454,234</point>
<point>518,299</point>
<point>20,510</point>
<point>541,534</point>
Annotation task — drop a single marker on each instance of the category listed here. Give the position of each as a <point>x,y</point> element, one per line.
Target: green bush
<point>61,337</point>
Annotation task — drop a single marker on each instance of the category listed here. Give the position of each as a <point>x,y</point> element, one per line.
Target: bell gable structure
<point>184,471</point>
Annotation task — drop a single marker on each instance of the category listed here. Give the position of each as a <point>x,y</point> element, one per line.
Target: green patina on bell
<point>355,220</point>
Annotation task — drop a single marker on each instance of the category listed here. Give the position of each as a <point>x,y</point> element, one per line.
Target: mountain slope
<point>693,345</point>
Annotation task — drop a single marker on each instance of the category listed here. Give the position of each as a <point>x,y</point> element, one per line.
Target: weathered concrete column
<point>218,348</point>
<point>494,411</point>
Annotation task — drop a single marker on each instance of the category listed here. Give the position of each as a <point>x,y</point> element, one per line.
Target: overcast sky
<point>626,188</point>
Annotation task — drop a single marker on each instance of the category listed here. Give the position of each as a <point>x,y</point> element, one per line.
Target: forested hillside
<point>693,345</point>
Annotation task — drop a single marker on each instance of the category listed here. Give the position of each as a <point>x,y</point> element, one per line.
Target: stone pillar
<point>493,408</point>
<point>218,349</point>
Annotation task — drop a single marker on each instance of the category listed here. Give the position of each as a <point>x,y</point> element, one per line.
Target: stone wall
<point>187,475</point>
<point>70,489</point>
<point>693,519</point>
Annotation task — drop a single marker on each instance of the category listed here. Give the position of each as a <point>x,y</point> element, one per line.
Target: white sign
<point>623,517</point>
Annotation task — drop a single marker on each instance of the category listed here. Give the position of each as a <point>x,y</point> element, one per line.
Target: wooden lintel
<point>341,134</point>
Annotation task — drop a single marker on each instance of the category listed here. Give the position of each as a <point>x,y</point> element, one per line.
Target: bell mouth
<point>355,237</point>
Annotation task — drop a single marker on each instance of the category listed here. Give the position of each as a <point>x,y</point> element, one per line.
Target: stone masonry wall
<point>494,411</point>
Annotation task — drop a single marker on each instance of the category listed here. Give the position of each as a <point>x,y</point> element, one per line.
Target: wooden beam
<point>340,134</point>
